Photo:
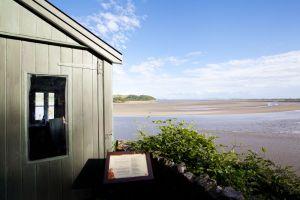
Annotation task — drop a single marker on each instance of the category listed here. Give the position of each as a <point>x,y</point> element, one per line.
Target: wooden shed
<point>55,100</point>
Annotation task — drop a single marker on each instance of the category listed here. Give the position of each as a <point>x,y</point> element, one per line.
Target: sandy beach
<point>178,107</point>
<point>282,147</point>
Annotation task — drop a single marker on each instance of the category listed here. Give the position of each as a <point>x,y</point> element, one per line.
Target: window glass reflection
<point>47,121</point>
<point>39,106</point>
<point>51,106</point>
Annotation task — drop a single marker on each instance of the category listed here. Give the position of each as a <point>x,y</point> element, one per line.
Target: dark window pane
<point>47,127</point>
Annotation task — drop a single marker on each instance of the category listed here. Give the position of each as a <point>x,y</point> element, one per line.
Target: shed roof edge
<point>72,28</point>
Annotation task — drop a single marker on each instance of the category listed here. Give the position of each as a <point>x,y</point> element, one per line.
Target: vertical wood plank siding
<point>77,139</point>
<point>50,179</point>
<point>43,169</point>
<point>18,20</point>
<point>41,58</point>
<point>42,181</point>
<point>54,59</point>
<point>28,171</point>
<point>88,108</point>
<point>108,105</point>
<point>28,25</point>
<point>87,101</point>
<point>13,119</point>
<point>55,180</point>
<point>67,164</point>
<point>97,105</point>
<point>2,118</point>
<point>100,96</point>
<point>9,16</point>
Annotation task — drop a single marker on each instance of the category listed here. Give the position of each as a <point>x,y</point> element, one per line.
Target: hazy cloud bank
<point>276,76</point>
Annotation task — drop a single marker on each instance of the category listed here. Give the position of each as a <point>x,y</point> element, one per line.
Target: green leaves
<point>249,173</point>
<point>263,149</point>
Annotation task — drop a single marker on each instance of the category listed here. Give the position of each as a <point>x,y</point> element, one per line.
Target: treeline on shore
<point>131,97</point>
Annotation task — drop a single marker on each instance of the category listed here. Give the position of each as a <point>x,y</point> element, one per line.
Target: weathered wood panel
<point>54,59</point>
<point>85,110</point>
<point>9,16</point>
<point>88,138</point>
<point>71,41</point>
<point>95,109</point>
<point>49,179</point>
<point>77,138</point>
<point>16,19</point>
<point>77,57</point>
<point>106,50</point>
<point>28,57</point>
<point>28,171</point>
<point>95,62</point>
<point>76,31</point>
<point>13,119</point>
<point>43,29</point>
<point>29,182</point>
<point>42,174</point>
<point>58,35</point>
<point>88,144</point>
<point>41,58</point>
<point>27,22</point>
<point>42,181</point>
<point>2,118</point>
<point>100,101</point>
<point>108,105</point>
<point>55,180</point>
<point>87,59</point>
<point>55,174</point>
<point>67,165</point>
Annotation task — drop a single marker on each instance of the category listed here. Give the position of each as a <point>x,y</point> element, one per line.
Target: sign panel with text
<point>127,166</point>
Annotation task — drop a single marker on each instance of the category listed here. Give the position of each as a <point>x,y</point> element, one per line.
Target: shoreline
<point>213,107</point>
<point>209,114</point>
<point>253,124</point>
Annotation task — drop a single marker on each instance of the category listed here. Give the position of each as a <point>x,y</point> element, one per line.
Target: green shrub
<point>249,173</point>
<point>118,99</point>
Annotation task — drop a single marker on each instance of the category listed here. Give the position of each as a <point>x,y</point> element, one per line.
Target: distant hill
<point>131,97</point>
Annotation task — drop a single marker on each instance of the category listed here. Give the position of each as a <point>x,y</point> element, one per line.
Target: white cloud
<point>177,61</point>
<point>195,53</point>
<point>114,22</point>
<point>147,67</point>
<point>276,76</point>
<point>155,64</point>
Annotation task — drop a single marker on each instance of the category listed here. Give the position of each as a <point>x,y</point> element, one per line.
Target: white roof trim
<point>72,28</point>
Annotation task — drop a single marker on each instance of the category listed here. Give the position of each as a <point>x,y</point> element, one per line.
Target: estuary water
<point>278,132</point>
<point>126,127</point>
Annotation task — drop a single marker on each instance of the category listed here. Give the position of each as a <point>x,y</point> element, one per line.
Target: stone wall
<point>202,184</point>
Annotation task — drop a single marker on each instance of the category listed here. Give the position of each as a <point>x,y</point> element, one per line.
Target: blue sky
<point>199,49</point>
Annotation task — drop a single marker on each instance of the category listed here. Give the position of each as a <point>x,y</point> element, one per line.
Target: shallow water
<point>278,132</point>
<point>262,123</point>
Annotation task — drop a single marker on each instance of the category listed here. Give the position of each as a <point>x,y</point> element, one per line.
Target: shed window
<point>47,135</point>
<point>50,105</point>
<point>40,100</point>
<point>39,105</point>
